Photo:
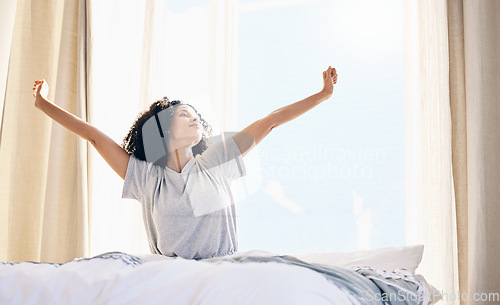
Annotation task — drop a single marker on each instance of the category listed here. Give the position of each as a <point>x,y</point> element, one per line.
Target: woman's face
<point>186,128</point>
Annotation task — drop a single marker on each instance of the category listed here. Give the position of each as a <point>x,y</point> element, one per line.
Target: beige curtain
<point>43,181</point>
<point>478,88</point>
<point>7,14</point>
<point>474,29</point>
<point>454,144</point>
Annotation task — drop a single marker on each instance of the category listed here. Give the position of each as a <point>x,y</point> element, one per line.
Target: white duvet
<point>163,280</point>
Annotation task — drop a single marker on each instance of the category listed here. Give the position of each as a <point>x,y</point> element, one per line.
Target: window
<point>333,179</point>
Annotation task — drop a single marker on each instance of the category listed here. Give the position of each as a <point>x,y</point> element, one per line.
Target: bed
<point>380,276</point>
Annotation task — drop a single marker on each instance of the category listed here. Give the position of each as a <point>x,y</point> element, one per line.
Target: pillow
<point>389,258</point>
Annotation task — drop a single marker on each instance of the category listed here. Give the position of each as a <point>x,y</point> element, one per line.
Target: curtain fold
<point>43,186</point>
<point>459,134</point>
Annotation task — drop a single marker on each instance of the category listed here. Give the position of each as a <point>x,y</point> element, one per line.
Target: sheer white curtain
<point>429,189</point>
<point>142,52</point>
<point>191,55</point>
<point>118,31</point>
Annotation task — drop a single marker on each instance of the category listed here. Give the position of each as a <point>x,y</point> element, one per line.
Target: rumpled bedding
<point>120,278</point>
<point>367,285</point>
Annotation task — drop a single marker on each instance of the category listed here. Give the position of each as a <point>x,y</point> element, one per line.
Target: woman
<point>187,204</point>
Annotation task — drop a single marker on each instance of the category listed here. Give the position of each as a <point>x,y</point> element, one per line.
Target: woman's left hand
<point>329,79</point>
<point>40,92</point>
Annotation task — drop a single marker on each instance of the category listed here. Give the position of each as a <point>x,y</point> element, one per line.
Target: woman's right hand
<point>329,79</point>
<point>40,91</point>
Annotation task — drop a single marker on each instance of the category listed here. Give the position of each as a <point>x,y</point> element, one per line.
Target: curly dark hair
<point>133,144</point>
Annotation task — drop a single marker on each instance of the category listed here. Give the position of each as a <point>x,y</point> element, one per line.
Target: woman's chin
<point>196,141</point>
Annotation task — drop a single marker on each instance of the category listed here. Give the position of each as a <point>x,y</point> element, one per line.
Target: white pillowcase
<point>389,258</point>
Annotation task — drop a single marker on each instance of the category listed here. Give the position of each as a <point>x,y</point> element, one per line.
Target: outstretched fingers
<point>36,85</point>
<point>34,88</point>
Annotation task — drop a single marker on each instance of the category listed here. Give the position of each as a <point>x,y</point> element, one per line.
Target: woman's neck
<point>179,157</point>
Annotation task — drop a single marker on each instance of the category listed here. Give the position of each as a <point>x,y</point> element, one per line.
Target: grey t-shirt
<point>190,214</point>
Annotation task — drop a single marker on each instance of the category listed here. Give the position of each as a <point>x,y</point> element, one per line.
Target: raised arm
<point>255,132</point>
<point>114,155</point>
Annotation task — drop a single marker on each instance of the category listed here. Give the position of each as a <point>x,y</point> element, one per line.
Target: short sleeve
<point>139,178</point>
<point>226,156</point>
